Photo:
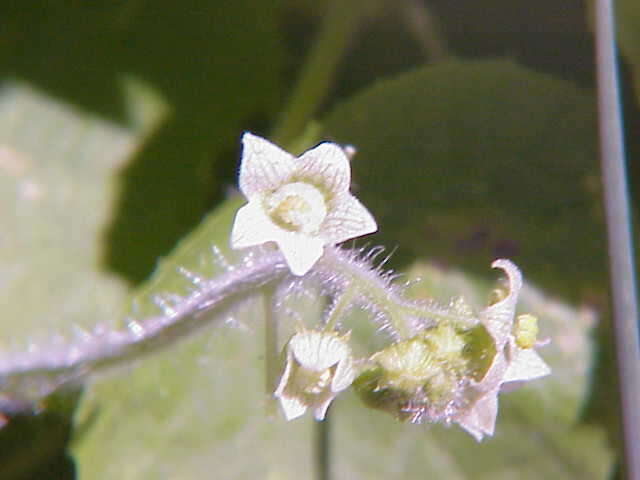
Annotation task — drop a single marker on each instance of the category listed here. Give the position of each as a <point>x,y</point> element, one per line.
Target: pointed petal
<point>301,252</point>
<point>318,350</point>
<point>284,379</point>
<point>526,364</point>
<point>264,166</point>
<point>495,374</point>
<point>326,165</point>
<point>481,419</point>
<point>252,227</point>
<point>498,318</point>
<point>344,375</point>
<point>292,407</point>
<point>347,218</point>
<point>321,410</point>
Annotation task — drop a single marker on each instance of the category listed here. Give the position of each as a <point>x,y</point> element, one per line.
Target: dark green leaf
<point>470,161</point>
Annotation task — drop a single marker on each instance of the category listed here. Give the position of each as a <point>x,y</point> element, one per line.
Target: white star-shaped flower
<point>318,366</point>
<point>515,359</point>
<point>302,203</point>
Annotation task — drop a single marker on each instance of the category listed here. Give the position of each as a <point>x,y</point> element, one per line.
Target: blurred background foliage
<point>475,127</point>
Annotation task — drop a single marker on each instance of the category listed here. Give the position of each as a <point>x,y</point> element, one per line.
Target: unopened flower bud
<point>318,366</point>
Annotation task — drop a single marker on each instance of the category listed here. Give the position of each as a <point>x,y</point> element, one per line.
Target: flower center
<point>297,207</point>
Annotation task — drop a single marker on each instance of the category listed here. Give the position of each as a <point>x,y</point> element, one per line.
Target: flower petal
<point>284,379</point>
<point>494,376</point>
<point>498,318</point>
<point>292,407</point>
<point>526,364</point>
<point>264,166</point>
<point>301,252</point>
<point>326,165</point>
<point>344,376</point>
<point>321,410</point>
<point>252,227</point>
<point>481,419</point>
<point>318,350</point>
<point>347,218</point>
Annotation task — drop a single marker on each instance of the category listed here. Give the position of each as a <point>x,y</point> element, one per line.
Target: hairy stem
<point>36,375</point>
<point>341,303</point>
<point>350,280</point>
<point>403,314</point>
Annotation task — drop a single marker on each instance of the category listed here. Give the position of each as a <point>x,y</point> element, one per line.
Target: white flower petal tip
<point>516,360</point>
<point>264,166</point>
<point>300,204</point>
<point>498,317</point>
<point>480,421</point>
<point>292,407</point>
<point>318,367</point>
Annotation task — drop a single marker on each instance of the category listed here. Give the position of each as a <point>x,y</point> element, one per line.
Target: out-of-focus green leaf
<point>465,162</point>
<point>198,409</point>
<point>471,161</point>
<point>218,64</point>
<point>57,190</point>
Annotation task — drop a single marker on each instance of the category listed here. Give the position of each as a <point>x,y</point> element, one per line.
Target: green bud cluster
<point>424,378</point>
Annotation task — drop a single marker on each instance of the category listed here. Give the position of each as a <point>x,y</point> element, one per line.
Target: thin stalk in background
<point>322,432</point>
<point>271,337</point>
<point>621,257</point>
<point>425,28</point>
<point>315,78</point>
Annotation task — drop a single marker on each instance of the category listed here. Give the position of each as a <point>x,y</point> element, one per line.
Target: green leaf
<point>58,191</point>
<point>198,409</point>
<point>58,165</point>
<point>219,67</point>
<point>471,161</point>
<point>465,162</point>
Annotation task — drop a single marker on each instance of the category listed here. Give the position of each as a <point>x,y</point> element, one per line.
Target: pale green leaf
<point>58,169</point>
<point>471,161</point>
<point>199,408</point>
<point>58,190</point>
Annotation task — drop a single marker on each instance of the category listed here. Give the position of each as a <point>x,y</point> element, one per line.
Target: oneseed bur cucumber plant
<point>441,363</point>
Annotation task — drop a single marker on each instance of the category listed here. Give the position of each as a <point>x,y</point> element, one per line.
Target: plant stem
<point>621,258</point>
<point>423,25</point>
<point>35,373</point>
<point>270,348</point>
<point>388,299</point>
<point>32,376</point>
<point>341,304</point>
<point>320,67</point>
<point>322,432</point>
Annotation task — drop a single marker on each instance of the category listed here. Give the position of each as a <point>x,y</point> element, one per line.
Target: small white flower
<point>318,367</point>
<point>515,359</point>
<point>302,203</point>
